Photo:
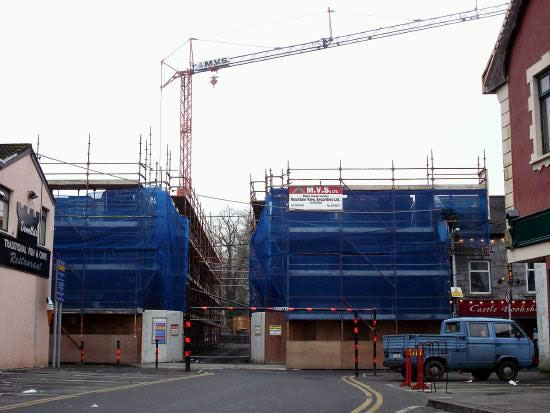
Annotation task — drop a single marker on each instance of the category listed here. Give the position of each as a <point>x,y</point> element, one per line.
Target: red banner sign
<point>316,189</point>
<point>497,308</point>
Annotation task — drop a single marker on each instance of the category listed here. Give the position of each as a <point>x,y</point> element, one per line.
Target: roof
<point>12,152</point>
<point>482,319</point>
<point>496,71</point>
<point>497,222</point>
<point>9,151</point>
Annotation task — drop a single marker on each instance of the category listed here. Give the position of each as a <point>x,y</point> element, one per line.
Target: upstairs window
<point>43,226</point>
<point>530,277</point>
<point>544,100</point>
<point>480,279</point>
<point>4,208</point>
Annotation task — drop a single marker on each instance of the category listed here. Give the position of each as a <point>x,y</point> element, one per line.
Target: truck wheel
<point>507,370</point>
<point>481,375</point>
<point>434,370</point>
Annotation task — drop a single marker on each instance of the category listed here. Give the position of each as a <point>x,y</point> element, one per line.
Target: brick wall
<point>499,268</point>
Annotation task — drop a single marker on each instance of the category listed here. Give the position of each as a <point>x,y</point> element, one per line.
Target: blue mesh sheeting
<point>131,251</point>
<point>388,249</point>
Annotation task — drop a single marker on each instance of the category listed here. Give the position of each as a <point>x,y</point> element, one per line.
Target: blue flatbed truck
<point>480,346</point>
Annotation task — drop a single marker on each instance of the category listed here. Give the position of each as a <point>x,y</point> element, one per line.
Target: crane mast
<point>278,52</point>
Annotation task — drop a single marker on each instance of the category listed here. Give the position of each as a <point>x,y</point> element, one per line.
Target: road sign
<point>60,279</point>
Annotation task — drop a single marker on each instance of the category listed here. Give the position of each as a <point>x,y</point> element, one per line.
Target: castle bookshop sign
<point>22,256</point>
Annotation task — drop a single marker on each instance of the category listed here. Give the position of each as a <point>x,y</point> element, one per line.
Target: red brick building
<point>518,72</point>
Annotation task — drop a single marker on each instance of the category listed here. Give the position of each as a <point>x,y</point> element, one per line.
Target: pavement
<point>243,388</point>
<point>530,394</point>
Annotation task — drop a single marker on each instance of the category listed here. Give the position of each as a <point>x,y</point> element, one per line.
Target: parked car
<point>480,346</point>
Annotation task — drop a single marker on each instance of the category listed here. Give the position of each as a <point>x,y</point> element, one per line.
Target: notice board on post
<point>159,330</point>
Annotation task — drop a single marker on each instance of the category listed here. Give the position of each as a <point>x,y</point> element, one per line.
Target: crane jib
<point>372,34</point>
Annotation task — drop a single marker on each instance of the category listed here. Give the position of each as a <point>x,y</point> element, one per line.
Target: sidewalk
<point>531,394</point>
<point>217,366</point>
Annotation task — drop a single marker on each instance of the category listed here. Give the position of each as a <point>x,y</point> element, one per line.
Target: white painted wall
<point>173,349</point>
<point>257,338</point>
<point>541,282</point>
<point>24,336</point>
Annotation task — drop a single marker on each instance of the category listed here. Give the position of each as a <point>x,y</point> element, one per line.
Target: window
<point>507,330</point>
<point>530,277</point>
<point>452,328</point>
<point>479,330</point>
<point>538,104</point>
<point>43,226</point>
<point>544,100</point>
<point>4,208</point>
<point>480,279</point>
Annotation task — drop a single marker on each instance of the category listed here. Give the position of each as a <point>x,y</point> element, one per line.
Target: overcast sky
<point>70,68</point>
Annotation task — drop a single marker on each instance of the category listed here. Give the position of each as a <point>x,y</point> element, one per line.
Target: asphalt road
<point>171,390</point>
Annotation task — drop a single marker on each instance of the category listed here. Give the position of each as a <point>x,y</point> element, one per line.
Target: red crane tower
<point>214,65</point>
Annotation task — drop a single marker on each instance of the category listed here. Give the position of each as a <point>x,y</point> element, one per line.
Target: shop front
<point>524,312</point>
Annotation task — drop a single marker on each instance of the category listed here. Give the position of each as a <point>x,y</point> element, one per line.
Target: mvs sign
<point>315,198</point>
<point>212,64</point>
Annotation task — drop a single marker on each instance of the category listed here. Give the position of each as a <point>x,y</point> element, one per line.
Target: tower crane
<point>279,52</point>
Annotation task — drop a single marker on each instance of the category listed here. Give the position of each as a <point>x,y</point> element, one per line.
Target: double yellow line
<point>370,394</point>
<point>107,390</point>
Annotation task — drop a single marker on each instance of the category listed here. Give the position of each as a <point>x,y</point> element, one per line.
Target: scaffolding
<point>388,248</point>
<point>119,208</point>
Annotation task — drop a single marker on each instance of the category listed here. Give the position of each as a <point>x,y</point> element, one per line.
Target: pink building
<point>518,72</point>
<point>26,241</point>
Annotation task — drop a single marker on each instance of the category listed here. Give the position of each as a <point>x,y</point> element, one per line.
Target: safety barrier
<point>156,353</point>
<point>117,354</point>
<point>409,367</point>
<point>81,353</point>
<point>354,311</point>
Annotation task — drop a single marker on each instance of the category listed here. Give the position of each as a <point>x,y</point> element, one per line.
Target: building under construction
<point>131,244</point>
<point>359,238</point>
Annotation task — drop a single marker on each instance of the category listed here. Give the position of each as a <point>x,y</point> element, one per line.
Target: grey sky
<point>72,68</point>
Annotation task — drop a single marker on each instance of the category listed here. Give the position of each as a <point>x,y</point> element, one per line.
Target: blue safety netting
<point>387,249</point>
<point>123,250</point>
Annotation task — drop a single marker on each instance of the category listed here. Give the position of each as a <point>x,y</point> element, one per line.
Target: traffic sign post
<point>59,297</point>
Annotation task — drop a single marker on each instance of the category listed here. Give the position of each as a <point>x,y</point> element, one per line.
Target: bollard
<point>157,353</point>
<point>421,384</point>
<point>356,340</point>
<point>408,369</point>
<point>81,353</point>
<point>118,354</point>
<point>420,371</point>
<point>187,341</point>
<point>374,341</point>
<point>409,372</point>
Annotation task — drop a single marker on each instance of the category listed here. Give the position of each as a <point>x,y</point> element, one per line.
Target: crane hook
<point>214,80</point>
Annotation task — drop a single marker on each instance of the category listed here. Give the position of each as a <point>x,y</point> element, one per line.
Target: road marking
<point>369,392</point>
<point>379,398</point>
<point>368,396</point>
<point>107,390</point>
<point>408,409</point>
